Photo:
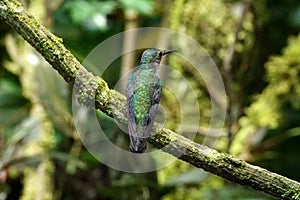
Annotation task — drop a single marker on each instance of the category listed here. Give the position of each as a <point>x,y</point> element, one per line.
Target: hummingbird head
<point>154,55</point>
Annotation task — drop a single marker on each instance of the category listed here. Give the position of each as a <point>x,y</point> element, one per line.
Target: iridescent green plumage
<point>143,93</point>
<point>148,86</point>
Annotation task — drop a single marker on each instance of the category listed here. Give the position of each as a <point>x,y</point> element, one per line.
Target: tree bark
<point>114,104</point>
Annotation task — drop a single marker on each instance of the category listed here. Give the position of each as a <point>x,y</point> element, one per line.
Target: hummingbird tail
<point>138,145</point>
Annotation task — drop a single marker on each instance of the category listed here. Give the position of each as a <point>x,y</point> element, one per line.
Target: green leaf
<point>28,126</point>
<point>193,176</point>
<point>145,7</point>
<point>90,15</point>
<point>12,103</point>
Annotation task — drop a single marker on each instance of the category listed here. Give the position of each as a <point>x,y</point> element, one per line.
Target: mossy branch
<point>91,88</point>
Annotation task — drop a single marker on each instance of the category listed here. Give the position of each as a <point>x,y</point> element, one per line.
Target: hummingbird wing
<point>154,104</point>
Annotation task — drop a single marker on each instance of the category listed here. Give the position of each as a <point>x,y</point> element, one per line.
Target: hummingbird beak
<point>168,51</point>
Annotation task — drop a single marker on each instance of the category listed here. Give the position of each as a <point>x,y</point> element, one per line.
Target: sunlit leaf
<point>142,6</point>
<point>91,15</point>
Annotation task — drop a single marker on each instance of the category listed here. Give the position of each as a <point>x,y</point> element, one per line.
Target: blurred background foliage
<point>256,46</point>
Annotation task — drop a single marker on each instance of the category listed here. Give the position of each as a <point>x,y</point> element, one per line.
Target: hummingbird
<point>143,93</point>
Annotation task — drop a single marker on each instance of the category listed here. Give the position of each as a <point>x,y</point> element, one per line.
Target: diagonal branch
<point>113,104</point>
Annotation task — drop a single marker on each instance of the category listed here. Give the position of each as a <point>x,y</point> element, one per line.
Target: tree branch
<point>114,105</point>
